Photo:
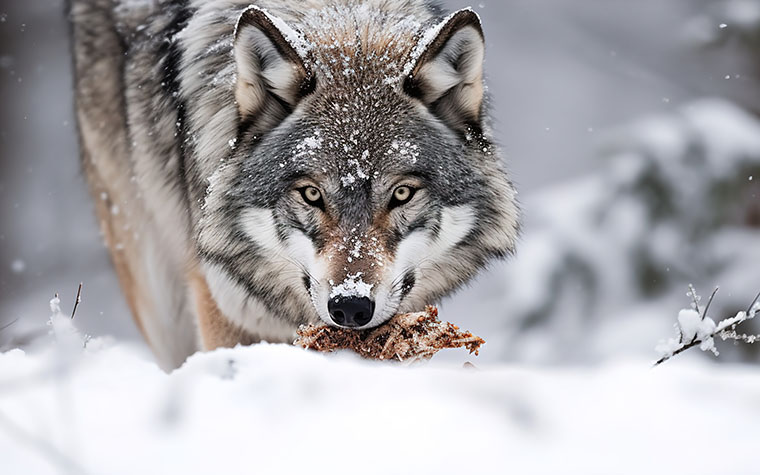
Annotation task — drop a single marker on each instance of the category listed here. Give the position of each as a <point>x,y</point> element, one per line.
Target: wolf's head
<point>361,183</point>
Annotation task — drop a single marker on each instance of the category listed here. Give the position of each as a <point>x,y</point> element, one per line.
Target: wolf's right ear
<point>272,75</point>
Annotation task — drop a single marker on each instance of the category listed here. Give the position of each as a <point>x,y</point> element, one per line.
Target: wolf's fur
<point>200,120</point>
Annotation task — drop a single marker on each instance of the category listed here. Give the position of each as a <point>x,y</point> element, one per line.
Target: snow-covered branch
<point>695,328</point>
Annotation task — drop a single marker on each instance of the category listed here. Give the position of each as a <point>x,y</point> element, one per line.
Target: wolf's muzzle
<point>351,312</point>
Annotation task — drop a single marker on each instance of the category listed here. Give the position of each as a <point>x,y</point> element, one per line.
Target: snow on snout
<point>352,286</point>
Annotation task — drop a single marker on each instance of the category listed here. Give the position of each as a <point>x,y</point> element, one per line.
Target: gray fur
<point>204,145</point>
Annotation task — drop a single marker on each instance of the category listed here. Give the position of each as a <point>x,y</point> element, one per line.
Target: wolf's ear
<point>272,75</point>
<point>448,73</point>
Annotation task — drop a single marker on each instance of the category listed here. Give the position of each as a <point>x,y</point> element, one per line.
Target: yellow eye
<point>312,196</point>
<point>401,195</point>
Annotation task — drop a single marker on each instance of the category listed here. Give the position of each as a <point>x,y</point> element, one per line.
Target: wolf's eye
<point>401,195</point>
<point>312,196</point>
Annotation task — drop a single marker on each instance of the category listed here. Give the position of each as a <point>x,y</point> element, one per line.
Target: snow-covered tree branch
<point>696,328</point>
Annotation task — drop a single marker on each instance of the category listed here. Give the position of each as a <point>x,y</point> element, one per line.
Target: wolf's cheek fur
<point>421,252</point>
<point>286,255</point>
<point>294,251</point>
<point>258,224</point>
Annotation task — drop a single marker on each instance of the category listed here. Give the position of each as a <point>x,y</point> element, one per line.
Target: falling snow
<point>18,266</point>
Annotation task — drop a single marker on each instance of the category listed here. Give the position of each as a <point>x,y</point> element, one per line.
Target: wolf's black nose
<point>351,311</point>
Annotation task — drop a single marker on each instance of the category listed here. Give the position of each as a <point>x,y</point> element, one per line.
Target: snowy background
<point>632,132</point>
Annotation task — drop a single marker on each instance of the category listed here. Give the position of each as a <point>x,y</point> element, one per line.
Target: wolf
<point>256,167</point>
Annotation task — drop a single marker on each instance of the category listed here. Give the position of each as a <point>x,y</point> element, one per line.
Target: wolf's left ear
<point>272,75</point>
<point>448,73</point>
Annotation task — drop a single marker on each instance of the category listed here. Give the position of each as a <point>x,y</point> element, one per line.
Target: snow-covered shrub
<point>677,200</point>
<point>690,176</point>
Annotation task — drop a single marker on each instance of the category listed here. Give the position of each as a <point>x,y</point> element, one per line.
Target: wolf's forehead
<point>367,41</point>
<point>357,141</point>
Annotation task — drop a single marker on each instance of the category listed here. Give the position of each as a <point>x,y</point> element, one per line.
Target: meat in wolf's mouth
<point>405,337</point>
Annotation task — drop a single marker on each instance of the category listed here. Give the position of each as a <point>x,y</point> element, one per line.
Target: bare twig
<point>754,301</point>
<point>704,314</point>
<point>8,324</point>
<point>685,347</point>
<point>76,302</point>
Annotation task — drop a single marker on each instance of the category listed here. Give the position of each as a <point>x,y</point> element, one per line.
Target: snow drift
<point>91,406</point>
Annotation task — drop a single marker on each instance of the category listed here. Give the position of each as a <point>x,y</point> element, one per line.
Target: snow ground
<point>279,409</point>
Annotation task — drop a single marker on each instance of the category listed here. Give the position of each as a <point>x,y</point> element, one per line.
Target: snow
<point>352,285</point>
<point>309,145</point>
<point>404,150</point>
<point>67,338</point>
<point>107,408</point>
<point>705,329</point>
<point>18,266</point>
<point>347,180</point>
<point>428,36</point>
<point>689,321</point>
<point>296,39</point>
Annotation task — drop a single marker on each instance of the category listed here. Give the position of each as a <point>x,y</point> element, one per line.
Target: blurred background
<point>630,128</point>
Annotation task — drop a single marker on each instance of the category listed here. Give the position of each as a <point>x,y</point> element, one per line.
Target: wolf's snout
<point>351,312</point>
